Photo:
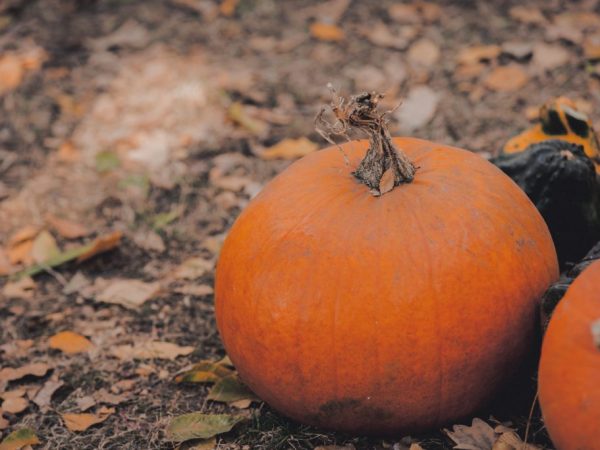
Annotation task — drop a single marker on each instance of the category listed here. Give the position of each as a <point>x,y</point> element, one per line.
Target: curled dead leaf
<point>100,245</point>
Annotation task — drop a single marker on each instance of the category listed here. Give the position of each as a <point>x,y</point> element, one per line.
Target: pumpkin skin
<point>569,374</point>
<point>389,314</point>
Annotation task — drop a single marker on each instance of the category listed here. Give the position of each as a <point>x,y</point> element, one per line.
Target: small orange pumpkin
<point>569,375</point>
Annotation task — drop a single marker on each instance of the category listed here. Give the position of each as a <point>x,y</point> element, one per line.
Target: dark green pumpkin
<point>560,179</point>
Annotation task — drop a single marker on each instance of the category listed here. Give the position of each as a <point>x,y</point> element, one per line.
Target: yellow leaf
<point>290,149</point>
<point>327,32</point>
<point>19,439</point>
<point>66,228</point>
<point>44,247</point>
<point>69,342</point>
<point>81,422</point>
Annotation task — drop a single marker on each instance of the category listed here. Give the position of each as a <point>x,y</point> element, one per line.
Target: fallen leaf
<point>230,389</point>
<point>386,184</point>
<point>81,422</point>
<point>161,220</point>
<point>6,268</point>
<point>24,234</point>
<point>404,13</point>
<point>591,47</point>
<point>22,288</point>
<point>67,152</point>
<point>196,290</point>
<point>200,426</point>
<point>517,49</point>
<point>69,342</point>
<point>478,53</point>
<point>76,284</point>
<point>227,7</point>
<point>527,15</point>
<point>418,109</point>
<point>478,436</point>
<point>193,268</point>
<point>66,228</point>
<point>206,444</point>
<point>290,149</point>
<point>327,32</point>
<point>128,293</point>
<point>43,397</point>
<point>85,403</point>
<point>11,72</point>
<point>424,52</point>
<point>34,369</point>
<point>149,240</point>
<point>99,245</point>
<point>103,396</point>
<point>130,34</point>
<point>19,439</point>
<point>379,34</point>
<point>107,161</point>
<point>548,57</point>
<point>506,78</point>
<point>21,253</point>
<point>239,115</point>
<point>15,393</point>
<point>510,440</point>
<point>15,405</point>
<point>44,247</point>
<point>204,372</point>
<point>151,350</point>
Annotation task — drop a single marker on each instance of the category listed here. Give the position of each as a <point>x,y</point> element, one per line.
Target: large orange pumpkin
<point>387,314</point>
<point>569,377</point>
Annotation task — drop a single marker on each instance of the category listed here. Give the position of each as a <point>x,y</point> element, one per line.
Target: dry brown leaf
<point>44,247</point>
<point>66,228</point>
<point>591,47</point>
<point>34,369</point>
<point>418,109</point>
<point>327,32</point>
<point>67,152</point>
<point>227,7</point>
<point>149,240</point>
<point>509,440</point>
<point>506,78</point>
<point>478,436</point>
<point>22,288</point>
<point>404,13</point>
<point>6,267</point>
<point>548,57</point>
<point>102,244</point>
<point>43,397</point>
<point>21,252</point>
<point>241,115</point>
<point>193,268</point>
<point>527,15</point>
<point>517,49</point>
<point>15,393</point>
<point>26,233</point>
<point>478,53</point>
<point>81,422</point>
<point>379,34</point>
<point>290,149</point>
<point>15,405</point>
<point>85,403</point>
<point>11,72</point>
<point>128,293</point>
<point>424,52</point>
<point>70,342</point>
<point>151,350</point>
<point>196,290</point>
<point>103,396</point>
<point>386,184</point>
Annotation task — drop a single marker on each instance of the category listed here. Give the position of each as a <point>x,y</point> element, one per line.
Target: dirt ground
<point>158,120</point>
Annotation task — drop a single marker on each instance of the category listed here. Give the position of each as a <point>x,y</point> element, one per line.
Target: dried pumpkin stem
<point>361,113</point>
